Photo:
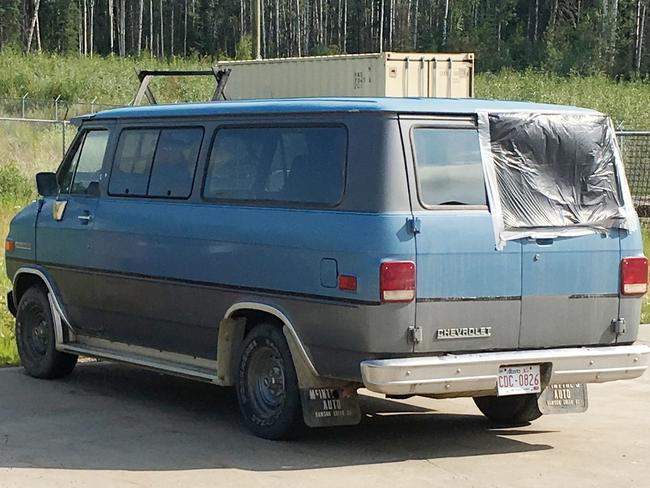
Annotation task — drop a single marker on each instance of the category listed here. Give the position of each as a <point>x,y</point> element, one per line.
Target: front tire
<point>267,386</point>
<point>36,339</point>
<point>509,410</point>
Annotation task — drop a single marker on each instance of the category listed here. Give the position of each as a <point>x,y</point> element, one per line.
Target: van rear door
<point>570,290</point>
<point>468,292</point>
<point>560,193</point>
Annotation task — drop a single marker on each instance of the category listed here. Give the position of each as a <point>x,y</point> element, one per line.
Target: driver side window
<point>85,165</point>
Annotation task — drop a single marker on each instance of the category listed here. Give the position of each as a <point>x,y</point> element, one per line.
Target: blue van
<point>302,249</point>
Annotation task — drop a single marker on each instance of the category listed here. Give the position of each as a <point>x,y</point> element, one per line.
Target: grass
<point>8,353</point>
<point>624,101</point>
<point>110,80</point>
<point>645,310</point>
<point>16,190</point>
<point>113,81</point>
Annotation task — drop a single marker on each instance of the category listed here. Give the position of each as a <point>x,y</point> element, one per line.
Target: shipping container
<point>366,75</point>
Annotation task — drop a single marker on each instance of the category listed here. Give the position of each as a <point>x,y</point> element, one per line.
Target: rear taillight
<point>634,276</point>
<point>397,281</point>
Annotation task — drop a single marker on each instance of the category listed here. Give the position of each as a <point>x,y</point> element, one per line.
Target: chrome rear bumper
<point>468,374</point>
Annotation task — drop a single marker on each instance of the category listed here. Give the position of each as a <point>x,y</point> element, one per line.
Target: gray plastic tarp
<point>553,174</point>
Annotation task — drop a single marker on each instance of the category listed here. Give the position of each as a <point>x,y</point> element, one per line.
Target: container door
<point>450,78</point>
<point>570,290</point>
<point>468,293</point>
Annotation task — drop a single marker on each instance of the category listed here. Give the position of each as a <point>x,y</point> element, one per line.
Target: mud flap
<point>325,402</point>
<point>563,398</point>
<point>10,304</point>
<point>330,406</point>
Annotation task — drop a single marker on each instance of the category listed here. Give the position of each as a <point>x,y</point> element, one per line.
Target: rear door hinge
<point>618,326</point>
<point>414,225</point>
<point>414,334</point>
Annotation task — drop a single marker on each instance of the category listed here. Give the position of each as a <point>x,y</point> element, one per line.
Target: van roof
<point>332,104</point>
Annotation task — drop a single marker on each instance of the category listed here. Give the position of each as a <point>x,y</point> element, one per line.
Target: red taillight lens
<point>397,281</point>
<point>634,276</point>
<point>10,245</point>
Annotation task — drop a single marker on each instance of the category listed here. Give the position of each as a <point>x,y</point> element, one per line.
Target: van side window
<point>448,166</point>
<point>132,163</point>
<point>85,166</point>
<point>156,162</point>
<point>278,164</point>
<point>173,167</point>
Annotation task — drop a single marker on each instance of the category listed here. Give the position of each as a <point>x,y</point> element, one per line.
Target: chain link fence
<point>635,148</point>
<point>41,109</point>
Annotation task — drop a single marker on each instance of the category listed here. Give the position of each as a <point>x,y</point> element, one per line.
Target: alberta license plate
<point>518,380</point>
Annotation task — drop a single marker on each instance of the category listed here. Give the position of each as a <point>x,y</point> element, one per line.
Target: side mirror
<point>47,185</point>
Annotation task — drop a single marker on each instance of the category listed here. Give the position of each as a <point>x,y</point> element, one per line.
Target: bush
<point>15,188</point>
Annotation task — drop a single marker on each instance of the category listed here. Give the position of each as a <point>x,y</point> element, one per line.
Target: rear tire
<point>267,386</point>
<point>509,410</point>
<point>36,339</point>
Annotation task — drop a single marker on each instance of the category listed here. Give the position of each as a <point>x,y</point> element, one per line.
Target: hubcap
<point>266,382</point>
<point>35,332</point>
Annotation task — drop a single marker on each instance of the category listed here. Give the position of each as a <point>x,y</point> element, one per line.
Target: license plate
<point>563,398</point>
<point>518,380</point>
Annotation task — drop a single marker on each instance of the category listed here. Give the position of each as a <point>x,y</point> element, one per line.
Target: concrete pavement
<point>114,425</point>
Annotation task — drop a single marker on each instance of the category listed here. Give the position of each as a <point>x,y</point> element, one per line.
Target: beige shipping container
<point>364,75</point>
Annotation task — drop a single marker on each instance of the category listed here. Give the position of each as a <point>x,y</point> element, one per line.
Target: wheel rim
<point>35,332</point>
<point>266,382</point>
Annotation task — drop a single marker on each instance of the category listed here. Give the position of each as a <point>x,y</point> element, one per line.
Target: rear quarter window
<point>448,166</point>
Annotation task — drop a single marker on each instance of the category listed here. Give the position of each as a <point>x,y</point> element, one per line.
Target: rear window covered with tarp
<point>555,170</point>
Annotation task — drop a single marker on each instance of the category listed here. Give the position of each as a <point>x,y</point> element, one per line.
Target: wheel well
<point>254,317</point>
<point>24,282</point>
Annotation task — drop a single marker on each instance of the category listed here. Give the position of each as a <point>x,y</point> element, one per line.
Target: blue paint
<point>329,273</point>
<point>322,105</point>
<point>572,265</point>
<point>23,230</point>
<point>162,238</point>
<point>457,257</point>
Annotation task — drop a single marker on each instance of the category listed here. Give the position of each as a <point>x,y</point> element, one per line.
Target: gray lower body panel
<point>501,315</point>
<point>556,321</point>
<point>183,317</point>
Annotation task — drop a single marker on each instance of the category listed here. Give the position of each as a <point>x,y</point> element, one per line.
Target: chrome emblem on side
<point>23,246</point>
<point>464,333</point>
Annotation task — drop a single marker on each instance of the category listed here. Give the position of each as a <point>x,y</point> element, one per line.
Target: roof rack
<point>145,76</point>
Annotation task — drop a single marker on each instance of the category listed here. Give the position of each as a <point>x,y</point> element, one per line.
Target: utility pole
<point>258,29</point>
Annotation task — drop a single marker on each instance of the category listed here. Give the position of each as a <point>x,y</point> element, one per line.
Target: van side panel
<point>161,284</point>
<point>165,272</point>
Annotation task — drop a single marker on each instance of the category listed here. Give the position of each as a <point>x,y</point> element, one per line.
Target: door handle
<point>542,241</point>
<point>85,219</point>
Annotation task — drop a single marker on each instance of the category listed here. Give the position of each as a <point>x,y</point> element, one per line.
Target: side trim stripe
<point>594,295</point>
<point>468,299</point>
<point>266,291</point>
